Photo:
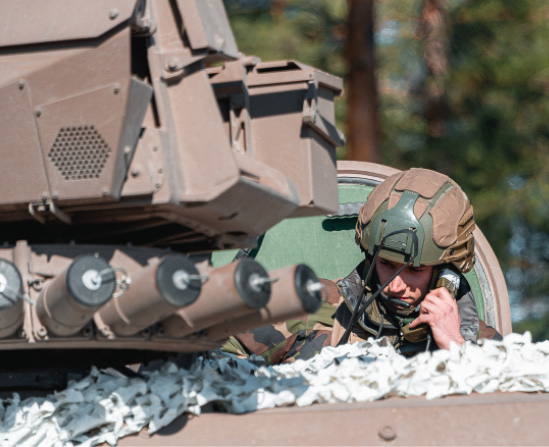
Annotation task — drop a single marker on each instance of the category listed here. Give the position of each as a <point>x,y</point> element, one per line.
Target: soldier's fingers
<point>419,320</point>
<point>438,309</point>
<point>438,300</point>
<point>441,293</point>
<point>429,306</point>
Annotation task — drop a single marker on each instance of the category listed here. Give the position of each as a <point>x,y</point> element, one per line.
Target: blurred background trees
<point>459,86</point>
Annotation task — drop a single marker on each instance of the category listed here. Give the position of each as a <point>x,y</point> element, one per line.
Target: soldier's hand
<point>439,310</point>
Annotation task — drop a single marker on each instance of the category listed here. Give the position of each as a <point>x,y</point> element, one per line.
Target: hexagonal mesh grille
<point>79,152</point>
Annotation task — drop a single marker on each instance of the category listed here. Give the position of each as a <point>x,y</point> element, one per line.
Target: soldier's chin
<point>403,312</point>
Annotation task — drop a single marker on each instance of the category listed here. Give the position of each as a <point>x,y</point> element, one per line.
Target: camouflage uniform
<point>303,338</point>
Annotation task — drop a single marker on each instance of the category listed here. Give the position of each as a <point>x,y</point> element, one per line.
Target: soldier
<point>416,231</point>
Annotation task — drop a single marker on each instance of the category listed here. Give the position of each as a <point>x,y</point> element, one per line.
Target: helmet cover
<point>430,204</point>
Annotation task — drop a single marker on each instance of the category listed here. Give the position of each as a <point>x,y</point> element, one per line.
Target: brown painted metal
<point>114,131</point>
<point>130,319</point>
<point>98,149</point>
<point>30,22</point>
<point>220,301</point>
<point>12,304</point>
<point>207,27</point>
<point>305,109</point>
<point>285,303</point>
<point>17,128</point>
<point>363,169</point>
<point>143,303</point>
<point>11,319</point>
<point>477,419</point>
<point>494,289</point>
<point>58,309</point>
<point>285,98</point>
<point>78,118</point>
<point>58,322</point>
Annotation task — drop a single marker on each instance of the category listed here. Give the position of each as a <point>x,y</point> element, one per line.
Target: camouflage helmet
<point>429,204</point>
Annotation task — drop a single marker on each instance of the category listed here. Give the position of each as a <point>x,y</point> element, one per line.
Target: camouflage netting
<point>103,408</point>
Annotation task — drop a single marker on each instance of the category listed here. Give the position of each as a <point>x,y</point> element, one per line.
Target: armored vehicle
<point>136,140</point>
<point>142,156</point>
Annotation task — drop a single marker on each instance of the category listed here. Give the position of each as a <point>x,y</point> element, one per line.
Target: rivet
<point>173,63</point>
<point>157,185</point>
<point>155,148</point>
<point>116,90</point>
<point>21,85</point>
<point>113,14</point>
<point>387,433</point>
<point>38,112</point>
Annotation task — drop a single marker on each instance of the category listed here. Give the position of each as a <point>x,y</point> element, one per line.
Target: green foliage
<point>538,327</point>
<point>310,31</point>
<point>495,131</point>
<point>306,30</point>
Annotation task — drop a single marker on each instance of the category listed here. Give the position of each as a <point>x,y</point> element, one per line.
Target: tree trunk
<point>362,122</point>
<point>277,7</point>
<point>435,52</point>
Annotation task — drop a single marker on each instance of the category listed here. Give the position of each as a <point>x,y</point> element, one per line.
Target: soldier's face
<point>410,285</point>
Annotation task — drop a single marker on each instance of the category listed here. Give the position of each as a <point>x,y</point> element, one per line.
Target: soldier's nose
<point>397,285</point>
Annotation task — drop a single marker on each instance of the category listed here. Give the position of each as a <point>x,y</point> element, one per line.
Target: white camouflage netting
<point>104,407</point>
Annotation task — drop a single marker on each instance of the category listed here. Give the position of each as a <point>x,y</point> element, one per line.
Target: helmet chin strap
<point>362,304</point>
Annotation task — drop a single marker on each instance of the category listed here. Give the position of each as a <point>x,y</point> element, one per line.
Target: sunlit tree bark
<point>362,121</point>
<point>433,31</point>
<point>277,7</point>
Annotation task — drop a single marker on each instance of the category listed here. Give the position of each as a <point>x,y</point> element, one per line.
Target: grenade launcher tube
<point>69,301</point>
<point>11,304</point>
<point>295,293</point>
<point>231,291</point>
<point>155,292</point>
